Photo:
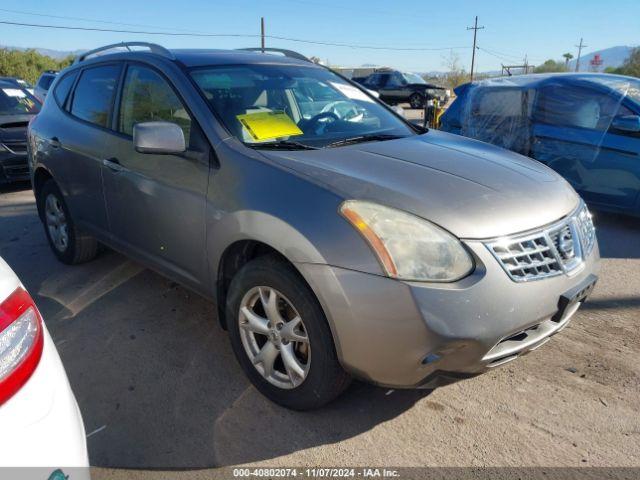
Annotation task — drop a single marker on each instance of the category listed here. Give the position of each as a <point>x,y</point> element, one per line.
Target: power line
<point>233,35</point>
<point>140,32</point>
<point>499,57</point>
<point>514,55</point>
<point>93,20</point>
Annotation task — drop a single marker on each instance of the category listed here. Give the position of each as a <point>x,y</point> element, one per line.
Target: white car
<point>40,423</point>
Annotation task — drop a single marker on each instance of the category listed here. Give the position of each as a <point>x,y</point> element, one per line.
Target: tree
<point>28,64</point>
<point>456,75</point>
<point>315,60</point>
<point>551,66</point>
<point>567,58</point>
<point>631,65</point>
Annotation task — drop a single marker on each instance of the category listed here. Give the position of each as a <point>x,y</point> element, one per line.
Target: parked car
<point>337,239</point>
<point>19,82</point>
<point>43,84</point>
<point>17,108</point>
<point>40,423</point>
<point>584,126</point>
<point>402,87</point>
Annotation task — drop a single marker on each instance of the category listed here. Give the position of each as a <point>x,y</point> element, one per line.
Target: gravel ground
<point>159,388</point>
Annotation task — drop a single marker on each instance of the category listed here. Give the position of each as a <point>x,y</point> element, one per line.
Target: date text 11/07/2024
<point>315,472</point>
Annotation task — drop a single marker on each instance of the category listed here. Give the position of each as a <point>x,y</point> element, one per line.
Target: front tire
<point>280,336</point>
<point>68,244</point>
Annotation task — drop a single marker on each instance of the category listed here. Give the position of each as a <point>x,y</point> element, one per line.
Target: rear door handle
<point>55,142</point>
<point>113,164</point>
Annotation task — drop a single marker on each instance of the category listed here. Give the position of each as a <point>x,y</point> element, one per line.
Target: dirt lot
<point>159,388</point>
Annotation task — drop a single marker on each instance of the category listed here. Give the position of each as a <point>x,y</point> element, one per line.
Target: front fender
<point>265,228</point>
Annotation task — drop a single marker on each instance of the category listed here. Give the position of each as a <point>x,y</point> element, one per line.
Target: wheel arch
<point>236,256</point>
<point>40,177</point>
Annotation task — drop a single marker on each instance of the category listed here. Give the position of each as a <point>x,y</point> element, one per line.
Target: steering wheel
<point>343,109</point>
<point>313,121</point>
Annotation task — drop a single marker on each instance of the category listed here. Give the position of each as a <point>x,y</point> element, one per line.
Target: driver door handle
<point>113,164</point>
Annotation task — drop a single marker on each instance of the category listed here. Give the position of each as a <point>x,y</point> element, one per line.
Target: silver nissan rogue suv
<point>337,239</point>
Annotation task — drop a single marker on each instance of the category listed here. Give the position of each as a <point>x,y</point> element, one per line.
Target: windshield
<point>628,86</point>
<point>24,83</point>
<point>311,106</point>
<point>16,101</point>
<point>413,78</point>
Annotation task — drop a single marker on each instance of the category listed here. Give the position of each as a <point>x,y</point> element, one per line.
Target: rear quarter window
<point>61,92</point>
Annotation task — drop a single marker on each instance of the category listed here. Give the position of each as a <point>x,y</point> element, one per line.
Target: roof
<point>193,57</point>
<point>6,83</point>
<point>535,80</point>
<point>605,82</point>
<point>202,57</point>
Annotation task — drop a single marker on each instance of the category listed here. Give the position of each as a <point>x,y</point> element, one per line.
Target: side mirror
<point>163,138</point>
<point>627,123</point>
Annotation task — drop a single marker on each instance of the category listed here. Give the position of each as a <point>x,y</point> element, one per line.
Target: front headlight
<point>408,247</point>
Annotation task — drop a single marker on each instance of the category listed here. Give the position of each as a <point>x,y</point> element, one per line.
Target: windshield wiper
<point>283,145</point>
<point>364,138</point>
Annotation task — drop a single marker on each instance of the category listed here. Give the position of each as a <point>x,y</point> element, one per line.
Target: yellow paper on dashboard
<point>267,125</point>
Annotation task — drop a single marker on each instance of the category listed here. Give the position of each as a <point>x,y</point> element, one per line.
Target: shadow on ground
<point>617,235</point>
<point>14,187</point>
<point>154,373</point>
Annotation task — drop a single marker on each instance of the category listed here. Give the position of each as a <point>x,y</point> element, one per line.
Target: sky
<point>437,30</point>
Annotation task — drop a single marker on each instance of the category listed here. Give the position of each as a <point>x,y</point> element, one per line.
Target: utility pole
<point>475,29</point>
<point>262,33</point>
<point>579,47</point>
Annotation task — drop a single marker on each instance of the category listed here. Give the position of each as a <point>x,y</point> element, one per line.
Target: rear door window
<point>384,79</point>
<point>45,81</point>
<point>396,81</point>
<point>93,95</point>
<point>498,103</point>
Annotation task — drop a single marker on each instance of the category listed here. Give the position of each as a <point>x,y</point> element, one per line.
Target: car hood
<point>426,86</point>
<point>472,189</point>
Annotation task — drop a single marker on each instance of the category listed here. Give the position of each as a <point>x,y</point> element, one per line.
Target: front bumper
<point>411,334</point>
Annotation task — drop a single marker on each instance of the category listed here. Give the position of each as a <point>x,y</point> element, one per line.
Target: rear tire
<point>416,101</point>
<point>321,378</point>
<point>68,244</point>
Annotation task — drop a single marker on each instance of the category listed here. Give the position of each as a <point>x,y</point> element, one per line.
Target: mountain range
<point>610,57</point>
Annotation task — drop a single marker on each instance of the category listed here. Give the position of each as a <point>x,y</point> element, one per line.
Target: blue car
<point>584,126</point>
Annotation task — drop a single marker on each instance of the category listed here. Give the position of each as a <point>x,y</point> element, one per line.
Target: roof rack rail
<point>154,48</point>
<point>285,52</point>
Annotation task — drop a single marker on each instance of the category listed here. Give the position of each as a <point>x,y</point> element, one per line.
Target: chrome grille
<point>560,248</point>
<point>587,230</point>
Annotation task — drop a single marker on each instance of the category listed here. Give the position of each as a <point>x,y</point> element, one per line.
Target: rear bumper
<point>401,334</point>
<point>41,424</point>
<point>13,167</point>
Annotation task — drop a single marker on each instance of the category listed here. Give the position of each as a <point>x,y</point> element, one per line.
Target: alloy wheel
<point>274,337</point>
<point>56,223</point>
<point>416,101</point>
